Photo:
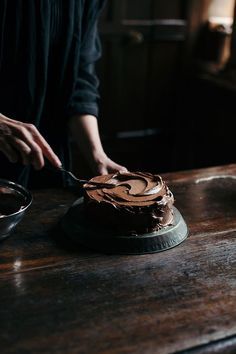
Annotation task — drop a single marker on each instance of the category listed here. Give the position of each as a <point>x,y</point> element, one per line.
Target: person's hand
<point>22,141</point>
<point>101,164</point>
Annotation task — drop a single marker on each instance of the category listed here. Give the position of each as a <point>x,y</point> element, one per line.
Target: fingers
<point>40,143</point>
<point>33,147</point>
<point>8,151</point>
<point>37,158</point>
<point>30,154</point>
<point>22,148</point>
<point>48,152</point>
<point>25,139</point>
<point>109,166</point>
<point>114,167</point>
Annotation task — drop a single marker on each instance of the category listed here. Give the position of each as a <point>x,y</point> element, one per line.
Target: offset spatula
<point>84,181</point>
<point>78,180</point>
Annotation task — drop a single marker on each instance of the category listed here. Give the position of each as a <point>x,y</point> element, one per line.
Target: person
<point>48,87</point>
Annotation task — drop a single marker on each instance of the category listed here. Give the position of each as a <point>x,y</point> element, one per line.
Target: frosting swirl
<point>131,189</point>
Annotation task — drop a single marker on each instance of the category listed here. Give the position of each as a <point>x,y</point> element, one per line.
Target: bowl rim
<point>20,189</point>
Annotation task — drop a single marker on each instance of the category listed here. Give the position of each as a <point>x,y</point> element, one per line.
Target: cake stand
<point>76,227</point>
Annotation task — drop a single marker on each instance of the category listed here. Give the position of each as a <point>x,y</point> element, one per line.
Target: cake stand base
<point>78,229</point>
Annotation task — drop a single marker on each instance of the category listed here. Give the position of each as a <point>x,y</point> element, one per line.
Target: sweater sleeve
<point>85,96</point>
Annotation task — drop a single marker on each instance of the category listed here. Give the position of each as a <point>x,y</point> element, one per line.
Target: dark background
<point>167,86</point>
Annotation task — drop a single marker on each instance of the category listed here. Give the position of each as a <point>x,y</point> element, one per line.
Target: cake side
<point>139,203</point>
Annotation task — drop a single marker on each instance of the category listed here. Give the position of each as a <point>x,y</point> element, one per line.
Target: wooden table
<point>58,298</point>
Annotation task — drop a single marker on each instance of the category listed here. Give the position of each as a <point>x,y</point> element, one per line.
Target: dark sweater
<point>47,53</point>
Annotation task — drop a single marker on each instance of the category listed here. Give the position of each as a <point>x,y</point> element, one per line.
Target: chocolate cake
<point>138,203</point>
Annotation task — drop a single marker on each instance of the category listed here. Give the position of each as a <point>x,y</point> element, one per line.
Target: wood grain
<point>56,298</point>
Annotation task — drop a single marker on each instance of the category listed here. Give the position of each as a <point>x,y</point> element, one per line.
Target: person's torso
<point>39,55</point>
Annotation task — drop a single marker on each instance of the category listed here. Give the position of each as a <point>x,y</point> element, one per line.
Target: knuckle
<point>20,126</point>
<point>31,127</point>
<point>22,129</point>
<point>25,149</point>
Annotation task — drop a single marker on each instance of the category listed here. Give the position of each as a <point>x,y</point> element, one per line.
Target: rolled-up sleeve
<point>85,95</point>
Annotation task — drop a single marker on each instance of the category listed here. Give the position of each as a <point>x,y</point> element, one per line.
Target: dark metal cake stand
<point>76,227</point>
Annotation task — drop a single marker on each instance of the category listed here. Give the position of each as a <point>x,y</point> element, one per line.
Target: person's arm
<point>83,99</point>
<point>82,109</point>
<point>84,130</point>
<point>22,141</point>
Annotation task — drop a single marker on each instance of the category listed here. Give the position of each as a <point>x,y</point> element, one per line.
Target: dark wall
<point>144,44</point>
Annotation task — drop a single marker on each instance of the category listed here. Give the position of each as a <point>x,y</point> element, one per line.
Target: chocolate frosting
<point>131,189</point>
<point>10,201</point>
<point>138,201</point>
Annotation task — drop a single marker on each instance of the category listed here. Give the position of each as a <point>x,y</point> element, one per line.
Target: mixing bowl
<point>14,201</point>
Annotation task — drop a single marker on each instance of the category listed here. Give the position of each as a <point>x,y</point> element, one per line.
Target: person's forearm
<point>84,130</point>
